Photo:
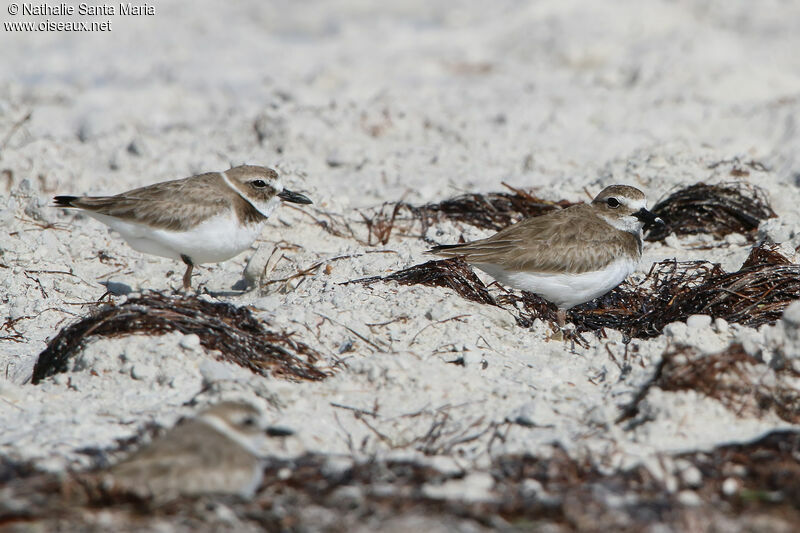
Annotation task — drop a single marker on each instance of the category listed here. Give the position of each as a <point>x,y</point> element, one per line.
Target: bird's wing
<point>564,241</point>
<point>163,205</point>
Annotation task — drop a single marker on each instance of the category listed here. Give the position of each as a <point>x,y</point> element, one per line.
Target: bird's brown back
<point>573,240</point>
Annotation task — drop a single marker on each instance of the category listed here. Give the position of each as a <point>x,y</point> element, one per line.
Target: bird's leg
<point>561,320</point>
<point>561,317</point>
<point>187,276</point>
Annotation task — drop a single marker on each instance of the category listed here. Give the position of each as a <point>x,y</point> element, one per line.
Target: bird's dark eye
<point>249,421</point>
<point>259,183</point>
<point>613,203</point>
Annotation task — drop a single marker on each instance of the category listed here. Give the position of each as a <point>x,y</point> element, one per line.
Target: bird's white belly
<point>565,290</point>
<point>213,240</point>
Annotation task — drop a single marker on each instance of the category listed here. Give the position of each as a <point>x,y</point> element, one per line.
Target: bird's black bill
<point>648,218</point>
<point>279,431</point>
<point>294,197</point>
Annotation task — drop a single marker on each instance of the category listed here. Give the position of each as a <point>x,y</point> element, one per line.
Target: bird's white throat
<point>628,223</point>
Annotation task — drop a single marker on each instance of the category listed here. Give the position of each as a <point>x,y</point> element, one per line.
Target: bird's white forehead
<point>231,418</point>
<point>634,204</point>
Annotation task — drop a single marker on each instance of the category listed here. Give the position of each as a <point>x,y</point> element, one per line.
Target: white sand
<point>360,103</point>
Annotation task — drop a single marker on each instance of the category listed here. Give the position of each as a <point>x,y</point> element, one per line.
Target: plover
<point>206,218</point>
<point>567,257</point>
<point>218,452</point>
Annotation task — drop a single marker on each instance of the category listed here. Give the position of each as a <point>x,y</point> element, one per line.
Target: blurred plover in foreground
<point>206,218</point>
<point>568,257</point>
<point>216,453</point>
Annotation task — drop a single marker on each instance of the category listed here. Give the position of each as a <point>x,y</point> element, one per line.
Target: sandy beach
<point>358,104</point>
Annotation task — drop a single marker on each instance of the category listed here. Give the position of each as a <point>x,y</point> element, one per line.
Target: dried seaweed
<point>553,491</point>
<point>734,207</point>
<point>11,470</point>
<point>489,211</point>
<point>571,492</point>
<point>754,295</point>
<point>767,472</point>
<point>698,209</point>
<point>730,376</point>
<point>739,168</point>
<point>736,379</point>
<point>454,274</point>
<point>671,291</point>
<point>492,211</point>
<point>233,331</point>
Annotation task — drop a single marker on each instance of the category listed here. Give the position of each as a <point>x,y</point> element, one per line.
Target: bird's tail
<point>448,249</point>
<point>64,201</point>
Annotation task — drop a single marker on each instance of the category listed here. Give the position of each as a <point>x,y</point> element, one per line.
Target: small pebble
<point>698,321</point>
<point>730,486</point>
<point>676,330</point>
<point>471,359</point>
<point>791,316</point>
<point>689,498</point>
<point>190,342</point>
<point>751,342</point>
<point>692,477</point>
<point>672,241</point>
<point>213,371</point>
<point>143,372</point>
<point>532,487</point>
<point>225,514</point>
<point>775,230</point>
<point>736,239</point>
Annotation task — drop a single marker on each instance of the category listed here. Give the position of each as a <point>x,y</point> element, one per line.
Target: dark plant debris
<point>492,211</point>
<point>739,381</point>
<point>739,168</point>
<point>721,209</point>
<point>233,331</point>
<point>699,209</point>
<point>755,295</point>
<point>767,473</point>
<point>734,207</point>
<point>554,492</point>
<point>454,274</point>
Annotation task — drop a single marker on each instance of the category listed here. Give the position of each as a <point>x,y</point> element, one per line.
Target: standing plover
<point>218,452</point>
<point>567,257</point>
<point>206,218</point>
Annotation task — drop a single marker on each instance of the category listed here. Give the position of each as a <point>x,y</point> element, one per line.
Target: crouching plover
<point>219,452</point>
<point>206,218</point>
<point>567,257</point>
